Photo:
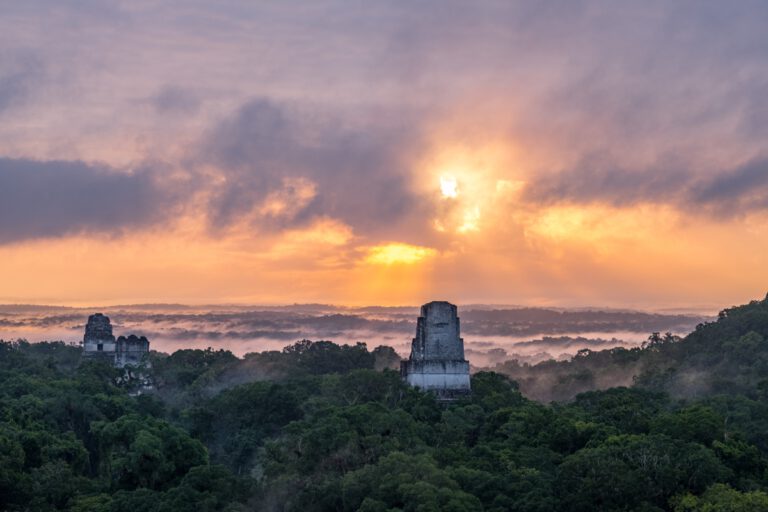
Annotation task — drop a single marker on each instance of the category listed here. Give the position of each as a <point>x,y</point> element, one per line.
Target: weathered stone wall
<point>438,375</point>
<point>131,350</point>
<point>437,333</point>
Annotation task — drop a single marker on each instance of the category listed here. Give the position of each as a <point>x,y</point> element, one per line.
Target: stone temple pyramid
<point>437,361</point>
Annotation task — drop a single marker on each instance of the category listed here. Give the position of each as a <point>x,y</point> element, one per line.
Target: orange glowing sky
<point>586,153</point>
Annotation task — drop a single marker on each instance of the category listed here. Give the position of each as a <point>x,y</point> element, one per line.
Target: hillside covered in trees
<point>729,355</point>
<point>320,426</point>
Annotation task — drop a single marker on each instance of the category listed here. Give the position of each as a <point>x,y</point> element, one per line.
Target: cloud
<point>600,179</point>
<point>357,173</point>
<point>173,100</point>
<point>741,190</point>
<point>56,198</point>
<point>729,192</point>
<point>20,73</point>
<point>275,167</point>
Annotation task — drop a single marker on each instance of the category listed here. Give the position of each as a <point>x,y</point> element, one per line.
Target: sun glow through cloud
<point>471,220</point>
<point>398,253</point>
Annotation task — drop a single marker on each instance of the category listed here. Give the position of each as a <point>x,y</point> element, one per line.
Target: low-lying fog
<point>492,334</point>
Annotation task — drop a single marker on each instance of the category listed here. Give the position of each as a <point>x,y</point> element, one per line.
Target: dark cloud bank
<point>55,198</point>
<point>730,192</point>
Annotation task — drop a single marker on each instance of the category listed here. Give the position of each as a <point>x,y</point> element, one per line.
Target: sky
<point>538,153</point>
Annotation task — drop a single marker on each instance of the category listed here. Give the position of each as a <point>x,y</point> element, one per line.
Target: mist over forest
<point>492,334</point>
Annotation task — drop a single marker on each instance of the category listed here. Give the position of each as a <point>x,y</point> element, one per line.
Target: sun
<point>449,187</point>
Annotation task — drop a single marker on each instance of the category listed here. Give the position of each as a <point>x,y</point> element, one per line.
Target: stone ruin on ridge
<point>437,361</point>
<point>98,338</point>
<point>100,343</point>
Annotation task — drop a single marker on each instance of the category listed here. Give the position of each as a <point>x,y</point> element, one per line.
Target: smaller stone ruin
<point>131,350</point>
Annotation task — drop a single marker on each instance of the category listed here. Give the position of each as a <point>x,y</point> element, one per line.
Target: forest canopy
<point>320,426</point>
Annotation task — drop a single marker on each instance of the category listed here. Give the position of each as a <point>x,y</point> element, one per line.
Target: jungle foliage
<point>320,427</point>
